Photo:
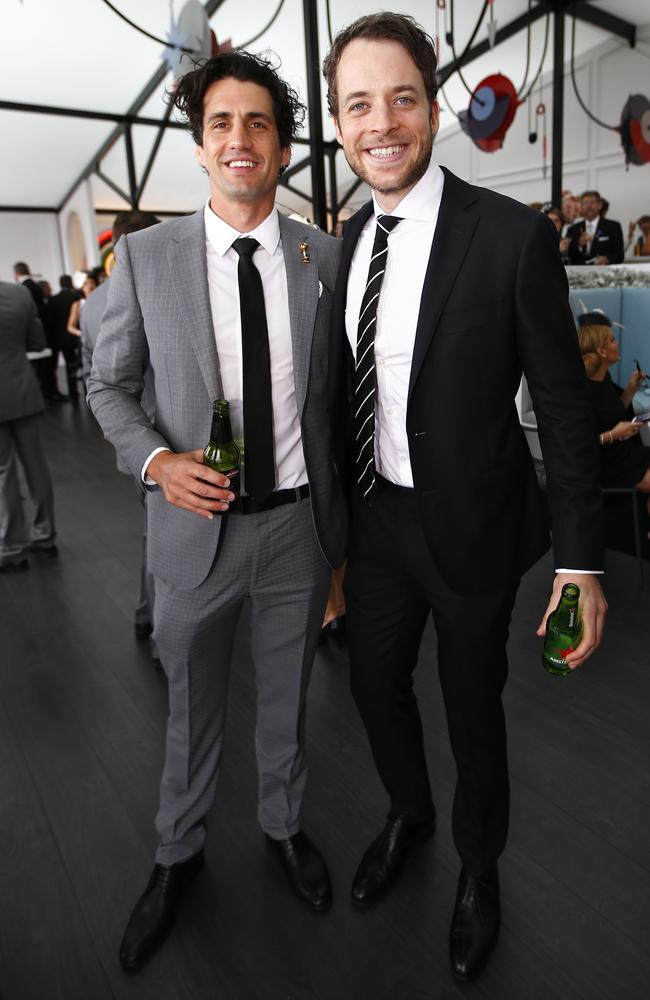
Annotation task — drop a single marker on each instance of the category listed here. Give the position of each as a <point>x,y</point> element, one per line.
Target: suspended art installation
<point>634,130</point>
<point>491,112</point>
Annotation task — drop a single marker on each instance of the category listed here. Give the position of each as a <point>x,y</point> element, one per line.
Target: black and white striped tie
<point>365,381</point>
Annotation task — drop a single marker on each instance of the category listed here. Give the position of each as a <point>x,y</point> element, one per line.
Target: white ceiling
<point>79,54</point>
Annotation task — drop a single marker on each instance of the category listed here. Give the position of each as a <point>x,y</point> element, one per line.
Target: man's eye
<point>359,106</point>
<point>404,100</point>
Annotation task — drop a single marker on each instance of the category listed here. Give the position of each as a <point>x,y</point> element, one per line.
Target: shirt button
<point>389,410</point>
<point>380,361</point>
<point>402,458</point>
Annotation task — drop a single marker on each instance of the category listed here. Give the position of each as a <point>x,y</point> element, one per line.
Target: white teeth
<point>241,163</point>
<point>385,151</point>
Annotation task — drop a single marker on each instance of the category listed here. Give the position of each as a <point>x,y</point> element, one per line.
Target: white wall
<point>593,156</point>
<point>31,237</point>
<point>81,202</point>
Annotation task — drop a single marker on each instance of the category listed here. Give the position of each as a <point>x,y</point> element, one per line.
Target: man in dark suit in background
<point>21,405</point>
<point>595,239</point>
<point>59,308</point>
<point>90,319</point>
<point>447,513</point>
<point>44,367</point>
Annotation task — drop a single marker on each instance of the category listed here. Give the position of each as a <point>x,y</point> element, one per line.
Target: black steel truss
<point>319,149</point>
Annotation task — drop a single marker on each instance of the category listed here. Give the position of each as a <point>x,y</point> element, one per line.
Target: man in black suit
<point>59,308</point>
<point>595,239</point>
<point>446,507</point>
<point>44,367</point>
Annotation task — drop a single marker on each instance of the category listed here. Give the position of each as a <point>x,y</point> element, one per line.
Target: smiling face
<point>384,121</point>
<point>241,150</point>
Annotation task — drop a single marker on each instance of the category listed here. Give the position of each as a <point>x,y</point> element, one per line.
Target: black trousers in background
<point>391,585</point>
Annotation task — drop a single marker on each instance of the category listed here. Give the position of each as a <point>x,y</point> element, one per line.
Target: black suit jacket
<point>490,309</point>
<point>607,242</point>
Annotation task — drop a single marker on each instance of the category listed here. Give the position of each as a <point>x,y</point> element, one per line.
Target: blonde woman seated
<point>624,460</point>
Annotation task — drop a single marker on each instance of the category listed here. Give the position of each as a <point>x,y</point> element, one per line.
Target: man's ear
<point>286,160</point>
<point>200,156</point>
<point>337,130</point>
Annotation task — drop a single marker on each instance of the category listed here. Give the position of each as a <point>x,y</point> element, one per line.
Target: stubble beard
<point>408,180</point>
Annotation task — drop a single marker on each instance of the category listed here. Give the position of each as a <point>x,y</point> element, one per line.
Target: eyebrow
<point>229,114</point>
<point>399,89</point>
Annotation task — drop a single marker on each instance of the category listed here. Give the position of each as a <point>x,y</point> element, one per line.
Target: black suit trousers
<point>391,586</point>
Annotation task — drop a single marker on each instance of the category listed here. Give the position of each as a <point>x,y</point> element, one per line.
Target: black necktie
<point>365,379</point>
<point>259,466</point>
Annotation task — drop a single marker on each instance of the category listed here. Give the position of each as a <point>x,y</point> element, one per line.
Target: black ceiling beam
<point>29,208</point>
<point>608,22</point>
<point>583,11</point>
<point>312,58</point>
<point>105,116</point>
<point>211,6</point>
<point>502,34</point>
<point>111,184</point>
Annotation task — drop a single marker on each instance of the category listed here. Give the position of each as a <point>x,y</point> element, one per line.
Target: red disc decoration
<point>635,129</point>
<point>491,112</point>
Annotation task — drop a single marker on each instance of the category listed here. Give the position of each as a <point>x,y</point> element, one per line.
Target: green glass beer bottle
<point>563,631</point>
<point>221,453</point>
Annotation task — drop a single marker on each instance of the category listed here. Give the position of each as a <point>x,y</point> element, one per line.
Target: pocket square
<point>320,288</point>
<point>601,239</point>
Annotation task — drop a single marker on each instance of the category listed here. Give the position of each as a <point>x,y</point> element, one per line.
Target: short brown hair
<point>381,27</point>
<point>591,194</point>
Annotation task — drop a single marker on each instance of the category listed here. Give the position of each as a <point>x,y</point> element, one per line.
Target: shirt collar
<point>221,236</point>
<point>422,203</point>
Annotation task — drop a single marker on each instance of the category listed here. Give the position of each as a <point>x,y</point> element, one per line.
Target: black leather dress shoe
<point>475,923</point>
<point>154,912</point>
<point>305,869</point>
<point>383,860</point>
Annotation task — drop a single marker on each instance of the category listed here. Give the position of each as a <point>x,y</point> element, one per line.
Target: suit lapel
<point>302,290</point>
<point>189,277</point>
<point>457,220</point>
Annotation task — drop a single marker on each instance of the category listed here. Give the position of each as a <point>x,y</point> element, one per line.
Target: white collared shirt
<point>409,247</point>
<point>223,289</point>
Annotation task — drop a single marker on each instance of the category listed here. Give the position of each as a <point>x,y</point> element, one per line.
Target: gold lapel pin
<point>304,253</point>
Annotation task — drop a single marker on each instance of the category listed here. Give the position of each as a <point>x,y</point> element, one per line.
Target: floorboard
<point>82,720</point>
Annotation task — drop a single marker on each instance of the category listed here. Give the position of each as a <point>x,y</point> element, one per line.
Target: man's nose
<point>383,118</point>
<point>240,137</point>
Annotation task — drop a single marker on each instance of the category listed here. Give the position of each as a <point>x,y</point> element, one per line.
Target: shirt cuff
<point>147,480</point>
<point>591,572</point>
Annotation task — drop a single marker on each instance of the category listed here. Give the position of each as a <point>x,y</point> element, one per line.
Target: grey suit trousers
<point>20,441</point>
<point>272,559</point>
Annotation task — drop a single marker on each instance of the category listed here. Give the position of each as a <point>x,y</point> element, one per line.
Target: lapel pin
<point>304,253</point>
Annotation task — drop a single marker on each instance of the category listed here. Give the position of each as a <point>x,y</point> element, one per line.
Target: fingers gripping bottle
<point>563,631</point>
<point>221,453</point>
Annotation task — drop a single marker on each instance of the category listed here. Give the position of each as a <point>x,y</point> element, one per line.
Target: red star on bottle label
<point>563,652</point>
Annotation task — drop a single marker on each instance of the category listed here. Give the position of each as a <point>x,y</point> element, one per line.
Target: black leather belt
<point>249,505</point>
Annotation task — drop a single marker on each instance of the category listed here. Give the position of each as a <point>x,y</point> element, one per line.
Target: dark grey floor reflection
<point>82,715</point>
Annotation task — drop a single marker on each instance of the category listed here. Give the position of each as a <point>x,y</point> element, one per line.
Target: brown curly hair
<point>188,94</point>
<point>384,27</point>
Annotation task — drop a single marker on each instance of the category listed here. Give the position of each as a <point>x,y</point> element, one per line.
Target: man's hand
<point>189,484</point>
<point>593,608</point>
<point>602,261</point>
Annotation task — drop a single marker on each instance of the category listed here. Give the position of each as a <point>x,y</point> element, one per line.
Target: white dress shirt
<point>223,289</point>
<point>409,247</point>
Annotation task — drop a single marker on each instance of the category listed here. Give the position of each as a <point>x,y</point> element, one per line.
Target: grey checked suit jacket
<point>20,331</point>
<point>158,321</point>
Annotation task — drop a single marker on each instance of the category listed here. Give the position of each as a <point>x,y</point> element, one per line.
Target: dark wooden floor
<point>82,716</point>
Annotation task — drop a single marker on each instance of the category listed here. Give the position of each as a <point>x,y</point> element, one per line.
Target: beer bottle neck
<point>221,432</point>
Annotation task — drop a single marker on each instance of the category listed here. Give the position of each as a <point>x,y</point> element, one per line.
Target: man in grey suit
<point>21,405</point>
<point>179,308</point>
